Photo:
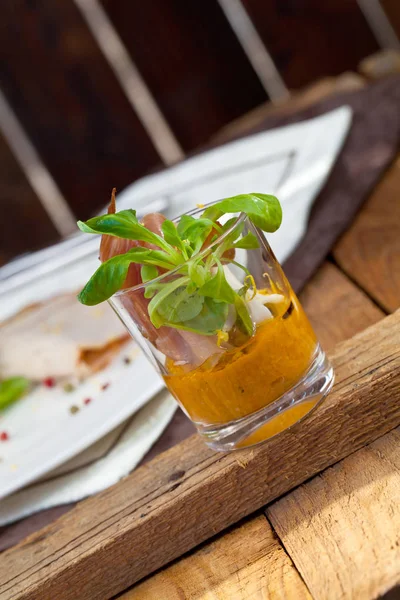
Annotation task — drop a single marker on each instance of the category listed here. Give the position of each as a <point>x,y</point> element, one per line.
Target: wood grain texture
<point>70,103</point>
<point>32,227</point>
<point>309,39</point>
<point>336,307</point>
<point>342,528</point>
<point>180,499</point>
<point>192,62</point>
<point>328,291</point>
<point>246,563</point>
<point>370,250</point>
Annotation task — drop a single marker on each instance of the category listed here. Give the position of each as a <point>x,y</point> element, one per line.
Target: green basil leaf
<point>198,233</point>
<point>162,297</point>
<point>110,276</point>
<point>218,288</point>
<point>263,210</point>
<point>197,273</point>
<point>184,223</point>
<point>150,257</point>
<point>244,315</point>
<point>152,288</point>
<point>171,234</point>
<point>229,240</point>
<point>210,319</point>
<point>148,272</point>
<point>124,224</point>
<point>106,281</point>
<point>179,306</point>
<point>195,231</point>
<point>191,287</point>
<point>213,212</point>
<point>187,248</point>
<point>12,389</point>
<point>249,242</point>
<point>118,224</point>
<point>230,222</point>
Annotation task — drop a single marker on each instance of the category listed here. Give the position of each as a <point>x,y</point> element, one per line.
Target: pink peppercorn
<point>4,436</point>
<point>49,382</point>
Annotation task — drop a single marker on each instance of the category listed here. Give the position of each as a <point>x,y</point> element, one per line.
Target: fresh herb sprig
<point>11,390</point>
<point>198,297</point>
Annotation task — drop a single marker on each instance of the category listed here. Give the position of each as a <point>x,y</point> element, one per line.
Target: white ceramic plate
<point>292,162</point>
<point>44,433</point>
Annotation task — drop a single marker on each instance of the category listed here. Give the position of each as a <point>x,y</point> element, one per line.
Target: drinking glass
<point>237,389</point>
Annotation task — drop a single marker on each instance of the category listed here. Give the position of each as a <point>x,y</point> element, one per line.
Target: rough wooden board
<point>370,250</point>
<point>246,563</point>
<point>189,493</point>
<point>342,528</point>
<point>328,291</point>
<point>336,307</point>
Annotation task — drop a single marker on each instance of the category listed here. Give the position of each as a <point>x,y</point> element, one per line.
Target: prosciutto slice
<point>180,346</point>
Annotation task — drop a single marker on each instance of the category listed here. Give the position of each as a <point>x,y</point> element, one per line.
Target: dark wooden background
<point>71,106</point>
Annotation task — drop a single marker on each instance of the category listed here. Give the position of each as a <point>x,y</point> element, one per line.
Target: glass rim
<point>240,219</point>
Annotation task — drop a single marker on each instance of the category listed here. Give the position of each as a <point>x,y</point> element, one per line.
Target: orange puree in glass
<point>252,376</point>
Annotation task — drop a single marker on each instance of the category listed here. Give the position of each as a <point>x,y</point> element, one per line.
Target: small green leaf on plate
<point>12,389</point>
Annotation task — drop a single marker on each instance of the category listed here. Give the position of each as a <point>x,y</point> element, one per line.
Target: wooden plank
<point>369,252</point>
<point>342,529</point>
<point>70,103</point>
<point>336,307</point>
<point>196,68</point>
<point>179,500</point>
<point>340,37</point>
<point>245,563</point>
<point>31,226</point>
<point>328,291</point>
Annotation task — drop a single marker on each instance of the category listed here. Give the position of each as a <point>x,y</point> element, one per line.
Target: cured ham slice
<point>181,346</point>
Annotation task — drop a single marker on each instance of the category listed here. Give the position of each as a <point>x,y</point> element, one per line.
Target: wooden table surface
<point>337,535</point>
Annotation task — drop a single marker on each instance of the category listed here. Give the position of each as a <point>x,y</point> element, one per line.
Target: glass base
<point>287,410</point>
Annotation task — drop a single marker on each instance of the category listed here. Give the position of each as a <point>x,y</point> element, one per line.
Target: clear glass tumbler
<point>238,389</point>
